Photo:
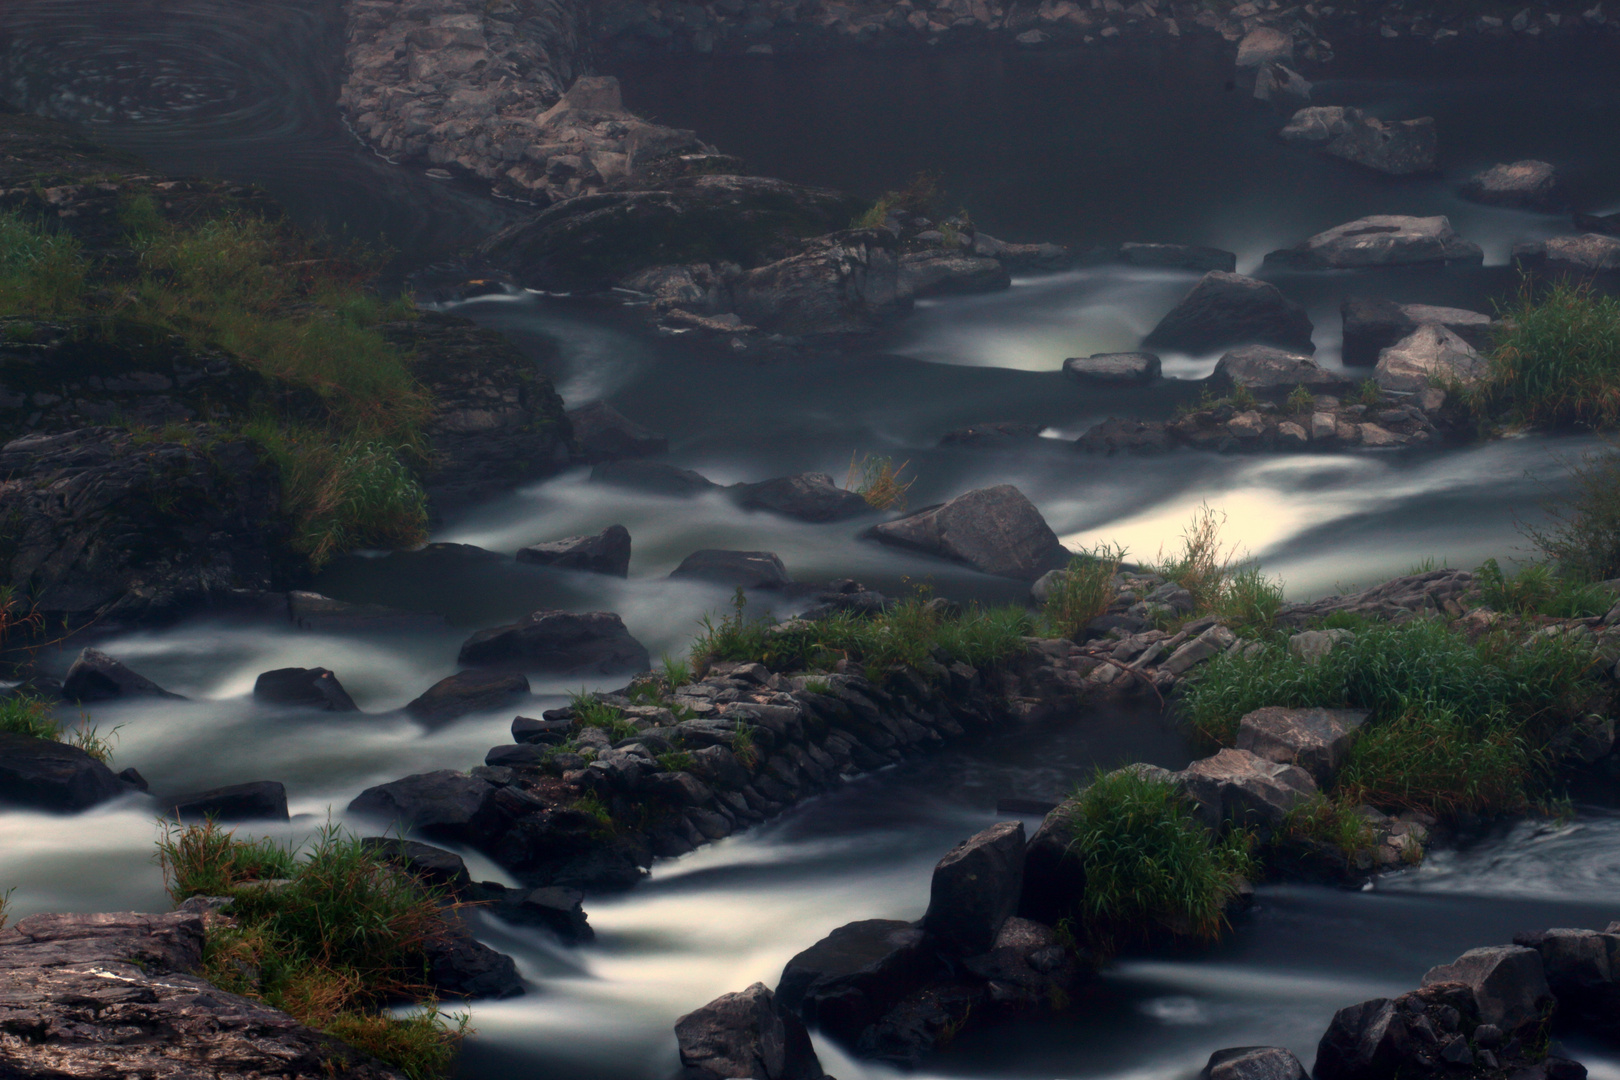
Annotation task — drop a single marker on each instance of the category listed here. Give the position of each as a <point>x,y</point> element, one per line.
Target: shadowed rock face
<point>1230,309</point>
<point>746,1034</point>
<point>996,530</point>
<point>50,775</point>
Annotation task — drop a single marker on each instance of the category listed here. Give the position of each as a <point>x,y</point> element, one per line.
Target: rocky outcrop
<point>996,530</point>
<point>1230,309</point>
<point>1273,373</point>
<point>95,676</point>
<point>558,642</point>
<point>1434,591</point>
<point>608,552</point>
<point>310,688</point>
<point>1126,368</point>
<point>1316,740</point>
<point>743,569</point>
<point>746,1035</point>
<point>849,979</point>
<point>1380,240</point>
<point>947,273</point>
<point>1399,148</point>
<point>49,775</point>
<point>975,889</point>
<point>841,283</point>
<point>1373,324</point>
<point>1524,184</point>
<point>1430,356</point>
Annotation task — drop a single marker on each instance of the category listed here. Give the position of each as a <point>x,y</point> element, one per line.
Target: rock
<point>1429,355</point>
<point>746,1035</point>
<point>1208,643</point>
<point>1178,257</point>
<point>924,1020</point>
<point>560,910</point>
<point>1318,125</point>
<point>312,611</point>
<point>995,530</point>
<point>1264,45</point>
<point>993,436</point>
<point>843,283</point>
<point>461,966</point>
<point>1021,256</point>
<point>976,887</point>
<point>943,273</point>
<point>1399,148</point>
<point>1230,309</point>
<point>807,496</point>
<point>1372,325</point>
<point>1054,871</point>
<point>313,688</point>
<point>1241,787</point>
<point>749,569</point>
<point>443,803</point>
<point>1579,968</point>
<point>1606,224</point>
<point>1526,184</point>
<point>516,756</point>
<point>50,775</point>
<point>1380,240</point>
<point>104,996</point>
<point>466,692</point>
<point>608,552</point>
<point>1114,436</point>
<point>1380,1039</point>
<point>1312,645</point>
<point>1588,253</point>
<point>561,642</point>
<point>259,800</point>
<point>606,434</point>
<point>1130,367</point>
<point>1508,983</point>
<point>849,979</point>
<point>433,866</point>
<point>1317,740</point>
<point>95,676</point>
<point>1274,373</point>
<point>1282,86</point>
<point>1253,1063</point>
<point>526,729</point>
<point>654,478</point>
<point>1397,598</point>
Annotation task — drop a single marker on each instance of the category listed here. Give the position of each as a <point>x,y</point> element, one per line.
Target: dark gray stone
<point>259,800</point>
<point>562,642</point>
<point>605,434</point>
<point>1229,309</point>
<point>431,865</point>
<point>1400,147</point>
<point>313,688</point>
<point>312,611</point>
<point>749,569</point>
<point>996,530</point>
<point>95,676</point>
<point>559,909</point>
<point>746,1035</point>
<point>652,478</point>
<point>849,979</point>
<point>807,497</point>
<point>1508,982</point>
<point>1317,740</point>
<point>1127,368</point>
<point>1373,324</point>
<point>1274,373</point>
<point>1237,786</point>
<point>443,803</point>
<point>466,692</point>
<point>1054,869</point>
<point>976,888</point>
<point>1115,436</point>
<point>608,552</point>
<point>1380,240</point>
<point>945,273</point>
<point>461,966</point>
<point>527,729</point>
<point>52,776</point>
<point>995,435</point>
<point>1253,1063</point>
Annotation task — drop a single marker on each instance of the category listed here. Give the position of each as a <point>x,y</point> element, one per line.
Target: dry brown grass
<point>877,480</point>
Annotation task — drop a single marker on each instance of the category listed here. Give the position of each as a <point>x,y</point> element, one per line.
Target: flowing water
<point>1142,143</point>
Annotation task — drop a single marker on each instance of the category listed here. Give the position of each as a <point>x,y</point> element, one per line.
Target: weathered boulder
<point>652,477</point>
<point>95,676</point>
<point>1264,45</point>
<point>1580,968</point>
<point>1025,964</point>
<point>1281,86</point>
<point>946,273</point>
<point>564,642</point>
<point>1253,1063</point>
<point>1317,740</point>
<point>849,979</point>
<point>923,1020</point>
<point>1399,148</point>
<point>1269,372</point>
<point>750,569</point>
<point>1128,367</point>
<point>606,434</point>
<point>257,800</point>
<point>806,496</point>
<point>312,688</point>
<point>1246,789</point>
<point>746,1035</point>
<point>843,283</point>
<point>1531,184</point>
<point>461,966</point>
<point>996,530</point>
<point>1372,325</point>
<point>608,552</point>
<point>1380,240</point>
<point>1178,257</point>
<point>431,865</point>
<point>1587,253</point>
<point>1318,125</point>
<point>1230,309</point>
<point>1430,355</point>
<point>976,888</point>
<point>52,776</point>
<point>443,803</point>
<point>559,909</point>
<point>1054,870</point>
<point>466,692</point>
<point>1508,983</point>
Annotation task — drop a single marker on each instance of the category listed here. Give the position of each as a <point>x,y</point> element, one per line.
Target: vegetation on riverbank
<point>330,934</point>
<point>27,714</point>
<point>1556,359</point>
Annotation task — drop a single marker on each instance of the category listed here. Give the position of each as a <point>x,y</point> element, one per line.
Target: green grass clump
<point>1220,583</point>
<point>1370,394</point>
<point>1582,536</point>
<point>1434,759</point>
<point>24,714</point>
<point>591,712</point>
<point>41,272</point>
<point>1556,359</point>
<point>1083,592</point>
<point>1149,864</point>
<point>337,939</point>
<point>676,761</point>
<point>1539,589</point>
<point>1300,400</point>
<point>1334,822</point>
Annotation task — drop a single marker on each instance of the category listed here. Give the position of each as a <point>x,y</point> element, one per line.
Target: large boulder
<point>433,866</point>
<point>560,642</point>
<point>1586,253</point>
<point>1317,740</point>
<point>1054,869</point>
<point>1580,969</point>
<point>1115,436</point>
<point>257,800</point>
<point>1429,355</point>
<point>1230,309</point>
<point>443,803</point>
<point>1380,240</point>
<point>1114,368</point>
<point>466,692</point>
<point>310,688</point>
<point>1253,1063</point>
<point>746,1035</point>
<point>1373,324</point>
<point>843,283</point>
<point>1246,789</point>
<point>1318,125</point>
<point>461,966</point>
<point>608,552</point>
<point>1508,983</point>
<point>50,775</point>
<point>1269,372</point>
<point>652,478</point>
<point>95,676</point>
<point>975,889</point>
<point>749,569</point>
<point>1399,148</point>
<point>1178,257</point>
<point>606,434</point>
<point>945,273</point>
<point>1526,184</point>
<point>849,979</point>
<point>1417,1034</point>
<point>806,496</point>
<point>996,530</point>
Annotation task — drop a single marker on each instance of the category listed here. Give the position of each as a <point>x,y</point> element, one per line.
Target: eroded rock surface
<point>1380,240</point>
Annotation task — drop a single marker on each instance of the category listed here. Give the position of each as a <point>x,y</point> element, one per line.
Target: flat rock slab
<point>1529,184</point>
<point>1318,125</point>
<point>1317,740</point>
<point>1269,372</point>
<point>1230,309</point>
<point>1114,368</point>
<point>258,800</point>
<point>561,642</point>
<point>1589,252</point>
<point>996,435</point>
<point>942,273</point>
<point>1380,240</point>
<point>49,775</point>
<point>1399,148</point>
<point>808,497</point>
<point>466,692</point>
<point>606,434</point>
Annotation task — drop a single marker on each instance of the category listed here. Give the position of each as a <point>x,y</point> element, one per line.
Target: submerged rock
<point>1533,184</point>
<point>746,1035</point>
<point>996,530</point>
<point>1430,355</point>
<point>1380,240</point>
<point>1230,309</point>
<point>1127,368</point>
<point>996,435</point>
<point>312,611</point>
<point>562,642</point>
<point>313,688</point>
<point>1114,436</point>
<point>608,552</point>
<point>95,676</point>
<point>807,497</point>
<point>606,434</point>
<point>652,477</point>
<point>749,569</point>
<point>49,775</point>
<point>257,800</point>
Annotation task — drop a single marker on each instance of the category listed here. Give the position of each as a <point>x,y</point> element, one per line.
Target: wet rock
<point>808,497</point>
<point>312,688</point>
<point>843,283</point>
<point>95,676</point>
<point>608,552</point>
<point>461,966</point>
<point>1115,436</point>
<point>1054,871</point>
<point>49,775</point>
<point>1399,148</point>
<point>1318,125</point>
<point>993,436</point>
<point>1178,257</point>
<point>1587,253</point>
<point>1025,965</point>
<point>1021,256</point>
<point>943,273</point>
<point>1508,983</point>
<point>1281,86</point>
<point>1409,1036</point>
<point>1230,309</point>
<point>1380,240</point>
<point>653,478</point>
<point>1253,1063</point>
<point>746,1035</point>
<point>849,979</point>
<point>975,889</point>
<point>1317,740</point>
<point>749,569</point>
<point>1429,355</point>
<point>560,910</point>
<point>443,803</point>
<point>312,611</point>
<point>1241,787</point>
<point>259,800</point>
<point>466,692</point>
<point>1130,367</point>
<point>1264,45</point>
<point>563,642</point>
<point>527,729</point>
<point>1274,373</point>
<point>606,434</point>
<point>924,1020</point>
<point>996,530</point>
<point>431,865</point>
<point>1579,966</point>
<point>1530,184</point>
<point>1372,325</point>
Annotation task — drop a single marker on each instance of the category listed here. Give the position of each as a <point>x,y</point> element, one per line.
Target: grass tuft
<point>41,272</point>
<point>1582,537</point>
<point>877,480</point>
<point>1300,400</point>
<point>1436,760</point>
<point>1539,589</point>
<point>1556,358</point>
<point>1082,592</point>
<point>25,714</point>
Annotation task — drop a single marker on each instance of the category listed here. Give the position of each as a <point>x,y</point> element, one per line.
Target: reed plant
<point>1082,591</point>
<point>1582,535</point>
<point>1220,580</point>
<point>1541,589</point>
<point>1555,361</point>
<point>1434,759</point>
